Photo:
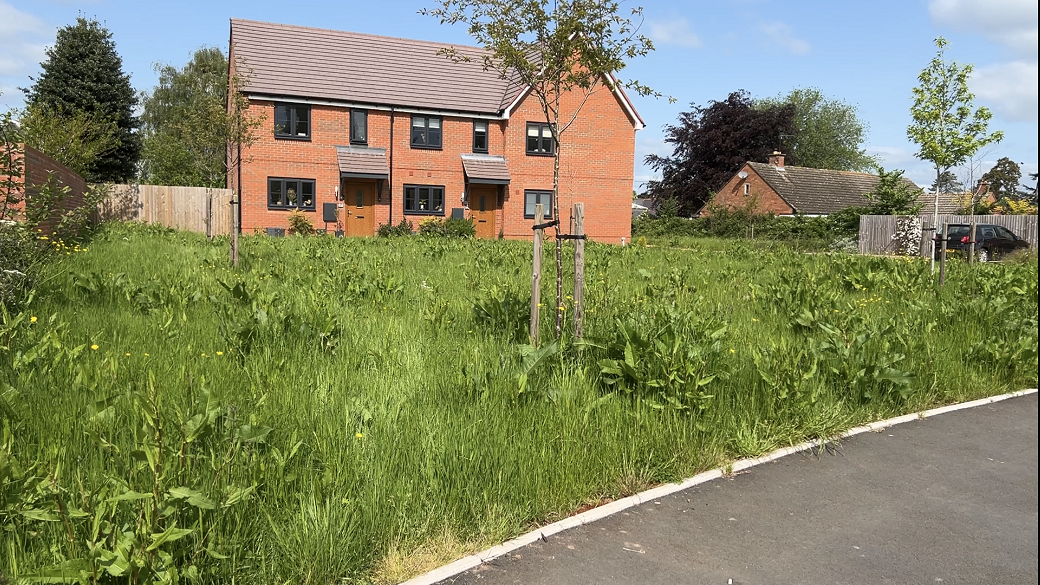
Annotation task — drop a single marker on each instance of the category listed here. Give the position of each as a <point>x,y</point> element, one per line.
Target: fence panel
<point>876,231</point>
<point>183,208</point>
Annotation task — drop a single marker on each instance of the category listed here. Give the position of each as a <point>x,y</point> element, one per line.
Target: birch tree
<point>554,49</point>
<point>946,129</point>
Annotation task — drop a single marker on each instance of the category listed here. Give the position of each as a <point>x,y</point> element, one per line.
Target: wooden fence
<point>197,209</point>
<point>875,231</point>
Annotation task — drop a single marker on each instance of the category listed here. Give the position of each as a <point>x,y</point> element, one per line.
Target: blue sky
<point>866,53</point>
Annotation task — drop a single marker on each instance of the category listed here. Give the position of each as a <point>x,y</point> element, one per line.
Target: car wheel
<point>983,255</point>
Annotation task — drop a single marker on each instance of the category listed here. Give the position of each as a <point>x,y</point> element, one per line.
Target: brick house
<point>387,129</point>
<point>771,187</point>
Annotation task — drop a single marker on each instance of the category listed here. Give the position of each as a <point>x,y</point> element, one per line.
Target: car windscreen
<point>958,231</point>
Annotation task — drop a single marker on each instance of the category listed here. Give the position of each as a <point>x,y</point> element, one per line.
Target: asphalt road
<point>950,499</point>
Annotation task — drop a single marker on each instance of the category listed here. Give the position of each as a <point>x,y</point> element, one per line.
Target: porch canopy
<point>362,162</point>
<point>485,169</point>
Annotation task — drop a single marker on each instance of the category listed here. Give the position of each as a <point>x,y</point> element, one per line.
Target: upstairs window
<point>290,194</point>
<point>424,199</point>
<point>292,121</point>
<point>359,127</point>
<point>480,136</point>
<point>539,139</point>
<point>426,132</point>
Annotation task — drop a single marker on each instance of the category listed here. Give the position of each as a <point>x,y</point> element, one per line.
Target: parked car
<point>991,241</point>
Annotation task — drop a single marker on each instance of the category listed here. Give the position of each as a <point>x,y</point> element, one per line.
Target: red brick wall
<point>36,168</point>
<point>732,195</point>
<point>597,164</point>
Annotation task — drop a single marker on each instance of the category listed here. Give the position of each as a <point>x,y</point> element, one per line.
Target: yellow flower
<point>94,347</point>
<point>32,319</point>
<point>220,353</point>
<point>731,350</point>
<point>755,320</point>
<point>146,355</point>
<point>204,355</point>
<point>127,354</point>
<point>358,435</point>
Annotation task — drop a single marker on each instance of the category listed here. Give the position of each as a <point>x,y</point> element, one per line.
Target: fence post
<point>536,272</point>
<point>942,256</point>
<point>234,230</point>
<point>579,270</point>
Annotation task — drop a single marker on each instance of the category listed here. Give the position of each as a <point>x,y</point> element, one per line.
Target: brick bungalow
<point>788,190</point>
<point>387,129</point>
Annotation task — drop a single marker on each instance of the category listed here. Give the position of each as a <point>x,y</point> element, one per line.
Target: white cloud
<point>676,32</point>
<point>24,40</point>
<point>1012,23</point>
<point>1011,88</point>
<point>782,35</point>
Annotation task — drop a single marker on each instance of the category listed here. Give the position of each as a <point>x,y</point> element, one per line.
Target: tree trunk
<point>536,273</point>
<point>579,270</point>
<point>935,217</point>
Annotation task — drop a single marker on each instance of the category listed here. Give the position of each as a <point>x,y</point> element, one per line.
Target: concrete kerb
<point>464,564</point>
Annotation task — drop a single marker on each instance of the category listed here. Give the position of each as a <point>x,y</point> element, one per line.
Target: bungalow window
<point>747,188</point>
<point>532,198</point>
<point>359,126</point>
<point>539,139</point>
<point>480,136</point>
<point>292,121</point>
<point>424,199</point>
<point>426,132</point>
<point>290,194</point>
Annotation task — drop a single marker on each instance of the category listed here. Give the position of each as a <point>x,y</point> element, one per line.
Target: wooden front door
<point>483,203</point>
<point>359,207</point>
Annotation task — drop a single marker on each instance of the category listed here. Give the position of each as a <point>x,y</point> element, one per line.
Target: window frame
<point>487,140</point>
<point>747,188</point>
<point>541,137</point>
<point>538,193</point>
<point>292,121</point>
<point>363,141</point>
<point>404,199</point>
<point>426,132</point>
<point>290,207</point>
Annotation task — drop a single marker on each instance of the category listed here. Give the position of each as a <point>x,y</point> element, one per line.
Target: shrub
<point>300,224</point>
<point>447,228</point>
<point>21,255</point>
<point>386,230</point>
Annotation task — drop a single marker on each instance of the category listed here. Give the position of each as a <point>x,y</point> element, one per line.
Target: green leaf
<point>130,496</point>
<point>39,515</point>
<point>169,535</point>
<point>236,495</point>
<point>193,497</point>
<point>70,571</point>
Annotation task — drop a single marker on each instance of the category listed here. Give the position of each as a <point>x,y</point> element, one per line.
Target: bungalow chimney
<point>777,159</point>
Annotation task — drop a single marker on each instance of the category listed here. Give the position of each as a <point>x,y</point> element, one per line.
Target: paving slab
<point>947,499</point>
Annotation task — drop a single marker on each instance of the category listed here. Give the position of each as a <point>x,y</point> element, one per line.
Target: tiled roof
<point>362,161</point>
<point>817,191</point>
<point>482,168</point>
<point>302,62</point>
<point>949,203</point>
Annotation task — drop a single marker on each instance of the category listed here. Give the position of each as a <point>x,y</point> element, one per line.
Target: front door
<point>359,206</point>
<point>483,203</point>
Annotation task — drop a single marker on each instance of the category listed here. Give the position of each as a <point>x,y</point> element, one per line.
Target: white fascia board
<point>378,107</point>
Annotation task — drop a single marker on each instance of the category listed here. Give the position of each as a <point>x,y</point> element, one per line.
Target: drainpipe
<point>391,178</point>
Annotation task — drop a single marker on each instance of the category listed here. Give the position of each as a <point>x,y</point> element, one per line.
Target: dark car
<point>991,241</point>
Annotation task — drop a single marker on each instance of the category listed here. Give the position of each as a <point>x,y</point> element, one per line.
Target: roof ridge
<point>857,173</point>
<point>354,33</point>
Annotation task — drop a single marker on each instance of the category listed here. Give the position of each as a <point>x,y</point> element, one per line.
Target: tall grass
<point>337,408</point>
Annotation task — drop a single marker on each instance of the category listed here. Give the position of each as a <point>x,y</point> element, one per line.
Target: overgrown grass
<point>363,409</point>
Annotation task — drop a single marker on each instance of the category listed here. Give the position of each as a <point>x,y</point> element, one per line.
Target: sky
<point>867,54</point>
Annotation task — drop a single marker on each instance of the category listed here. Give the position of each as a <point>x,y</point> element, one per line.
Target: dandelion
<point>94,347</point>
<point>147,355</point>
<point>220,353</point>
<point>358,435</point>
<point>203,355</point>
<point>754,320</point>
<point>127,354</point>
<point>731,350</point>
<point>32,319</point>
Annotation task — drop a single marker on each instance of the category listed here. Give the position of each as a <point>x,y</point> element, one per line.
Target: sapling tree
<point>235,128</point>
<point>562,53</point>
<point>944,126</point>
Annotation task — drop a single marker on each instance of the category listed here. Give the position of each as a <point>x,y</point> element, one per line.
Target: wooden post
<point>942,256</point>
<point>209,214</point>
<point>234,230</point>
<point>536,273</point>
<point>579,270</point>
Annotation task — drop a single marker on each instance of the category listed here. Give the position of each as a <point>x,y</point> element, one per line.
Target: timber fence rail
<point>876,231</point>
<point>198,209</point>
